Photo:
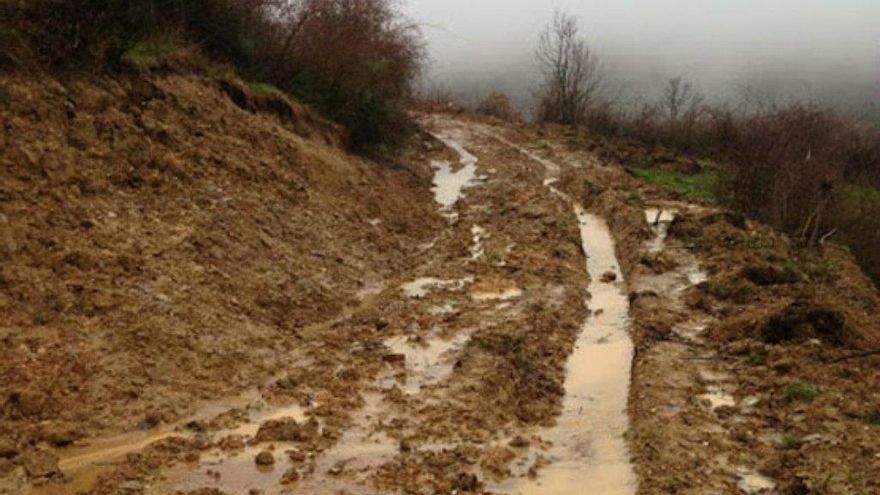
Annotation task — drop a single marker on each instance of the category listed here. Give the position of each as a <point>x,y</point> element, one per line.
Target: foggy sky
<point>824,49</point>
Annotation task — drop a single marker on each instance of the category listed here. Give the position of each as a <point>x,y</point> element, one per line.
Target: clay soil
<point>204,296</point>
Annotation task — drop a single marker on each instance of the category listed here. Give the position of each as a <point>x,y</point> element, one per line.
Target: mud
<point>237,308</point>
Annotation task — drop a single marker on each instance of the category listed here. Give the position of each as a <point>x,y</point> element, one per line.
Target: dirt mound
<point>804,320</point>
<point>163,240</point>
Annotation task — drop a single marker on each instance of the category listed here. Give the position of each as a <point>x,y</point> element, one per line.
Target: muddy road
<point>554,337</point>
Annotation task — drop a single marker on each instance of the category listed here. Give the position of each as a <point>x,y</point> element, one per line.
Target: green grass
<point>149,53</point>
<point>798,391</point>
<point>703,185</point>
<point>265,89</point>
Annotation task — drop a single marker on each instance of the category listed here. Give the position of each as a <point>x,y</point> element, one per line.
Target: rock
<point>466,482</point>
<point>264,458</point>
<point>609,277</point>
<point>41,464</point>
<point>290,476</point>
<point>337,469</point>
<point>297,455</point>
<point>283,430</point>
<point>519,442</point>
<point>394,358</point>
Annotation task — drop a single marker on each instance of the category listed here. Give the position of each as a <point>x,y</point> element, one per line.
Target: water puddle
<point>716,397</point>
<point>660,220</point>
<point>589,454</point>
<point>449,184</point>
<point>84,464</point>
<point>428,362</point>
<point>494,290</point>
<point>753,483</point>
<point>420,288</point>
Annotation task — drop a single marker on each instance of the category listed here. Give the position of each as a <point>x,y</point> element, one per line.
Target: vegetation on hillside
<point>800,167</point>
<point>354,60</point>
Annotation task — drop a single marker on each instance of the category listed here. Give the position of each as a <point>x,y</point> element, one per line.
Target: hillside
<point>163,246</point>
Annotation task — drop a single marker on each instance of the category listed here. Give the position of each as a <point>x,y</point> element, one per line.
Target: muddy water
<point>589,454</point>
<point>84,464</point>
<point>427,362</point>
<point>448,183</point>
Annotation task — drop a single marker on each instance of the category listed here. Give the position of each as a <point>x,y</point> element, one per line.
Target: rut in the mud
<point>589,454</point>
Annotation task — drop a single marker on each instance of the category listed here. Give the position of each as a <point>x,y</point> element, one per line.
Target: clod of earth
<point>264,458</point>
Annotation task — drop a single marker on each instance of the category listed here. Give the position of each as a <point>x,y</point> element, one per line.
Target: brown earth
<point>196,282</point>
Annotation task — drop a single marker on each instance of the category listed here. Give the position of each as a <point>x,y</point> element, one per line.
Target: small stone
<point>265,458</point>
<point>336,470</point>
<point>290,476</point>
<point>394,358</point>
<point>297,456</point>
<point>519,442</point>
<point>609,277</point>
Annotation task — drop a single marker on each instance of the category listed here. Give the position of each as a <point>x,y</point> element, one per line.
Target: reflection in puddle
<point>589,454</point>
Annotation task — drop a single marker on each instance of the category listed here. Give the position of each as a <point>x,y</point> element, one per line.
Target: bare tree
<point>681,99</point>
<point>572,78</point>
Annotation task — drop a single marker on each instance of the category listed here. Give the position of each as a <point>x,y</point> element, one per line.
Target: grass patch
<point>790,442</point>
<point>802,392</point>
<point>873,417</point>
<point>261,88</point>
<point>150,53</point>
<point>704,185</point>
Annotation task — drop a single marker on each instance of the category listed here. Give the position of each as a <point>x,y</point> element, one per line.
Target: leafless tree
<point>571,75</point>
<point>681,99</point>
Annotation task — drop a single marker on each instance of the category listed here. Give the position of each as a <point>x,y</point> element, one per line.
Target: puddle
<point>426,362</point>
<point>421,287</point>
<point>753,483</point>
<point>85,464</point>
<point>589,454</point>
<point>716,397</point>
<point>659,220</point>
<point>449,184</point>
<point>504,295</point>
<point>495,290</point>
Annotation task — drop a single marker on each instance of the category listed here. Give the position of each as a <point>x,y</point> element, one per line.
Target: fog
<point>826,50</point>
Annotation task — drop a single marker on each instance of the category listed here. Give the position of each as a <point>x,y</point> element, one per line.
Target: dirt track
<point>484,357</point>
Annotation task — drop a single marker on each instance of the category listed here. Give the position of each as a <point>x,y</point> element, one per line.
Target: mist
<point>827,51</point>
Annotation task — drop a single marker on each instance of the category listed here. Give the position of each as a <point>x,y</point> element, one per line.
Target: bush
<point>498,105</point>
<point>355,60</point>
<point>800,392</point>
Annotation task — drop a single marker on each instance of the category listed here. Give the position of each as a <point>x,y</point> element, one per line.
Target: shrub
<point>498,105</point>
<point>355,60</point>
<point>800,392</point>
